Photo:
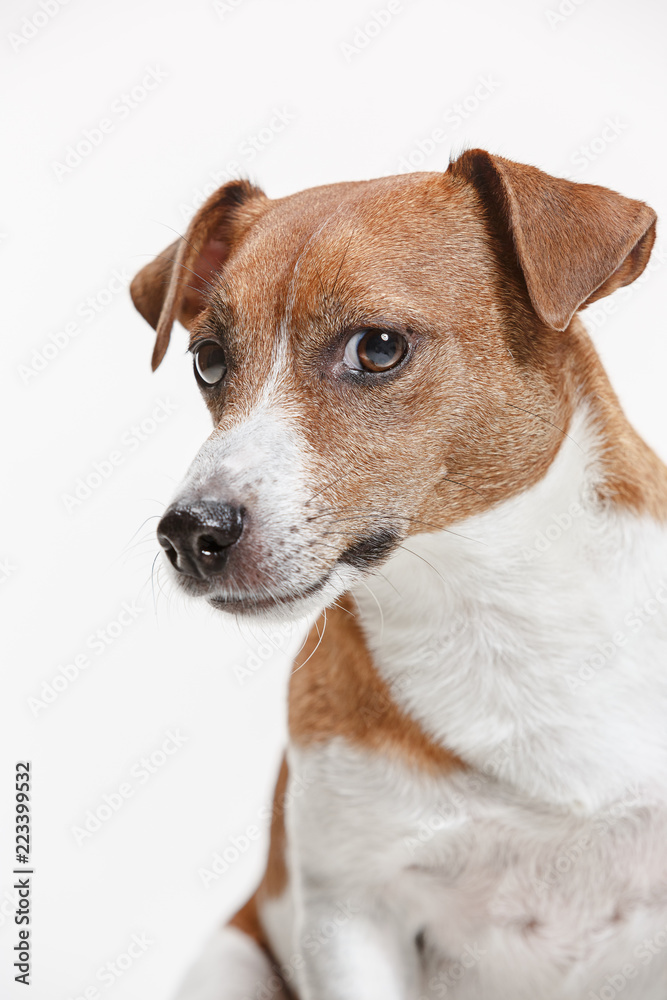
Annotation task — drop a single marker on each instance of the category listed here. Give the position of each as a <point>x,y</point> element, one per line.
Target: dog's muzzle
<point>198,537</point>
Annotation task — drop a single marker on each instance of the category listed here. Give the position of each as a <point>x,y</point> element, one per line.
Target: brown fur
<point>483,269</point>
<point>574,242</point>
<point>174,285</point>
<point>247,920</point>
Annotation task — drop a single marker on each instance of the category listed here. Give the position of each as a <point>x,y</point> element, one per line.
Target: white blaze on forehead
<point>279,367</point>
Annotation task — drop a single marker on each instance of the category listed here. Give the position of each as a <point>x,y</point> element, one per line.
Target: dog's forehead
<point>380,243</point>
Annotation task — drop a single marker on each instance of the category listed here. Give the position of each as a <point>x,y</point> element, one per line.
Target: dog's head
<point>380,359</point>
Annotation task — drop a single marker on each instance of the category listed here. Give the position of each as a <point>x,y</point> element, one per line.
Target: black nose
<point>197,537</point>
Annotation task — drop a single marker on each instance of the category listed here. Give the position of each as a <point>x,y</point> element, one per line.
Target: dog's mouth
<point>363,555</point>
<point>249,603</point>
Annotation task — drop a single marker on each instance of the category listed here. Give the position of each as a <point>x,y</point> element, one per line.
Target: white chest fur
<point>515,901</point>
<point>532,643</point>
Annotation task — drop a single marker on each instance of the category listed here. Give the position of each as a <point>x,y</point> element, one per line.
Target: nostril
<point>208,546</point>
<point>170,546</point>
<point>169,551</point>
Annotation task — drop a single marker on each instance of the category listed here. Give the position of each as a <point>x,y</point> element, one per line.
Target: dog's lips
<point>253,602</point>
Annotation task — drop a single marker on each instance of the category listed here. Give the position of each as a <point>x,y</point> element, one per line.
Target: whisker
<point>374,596</point>
<point>197,251</point>
<point>425,560</point>
<point>333,482</point>
<point>378,572</point>
<point>340,266</point>
<point>365,513</point>
<point>186,268</point>
<point>446,479</point>
<point>319,643</point>
<point>335,604</point>
<point>151,517</point>
<point>319,278</point>
<point>545,421</point>
<point>291,291</point>
<point>157,556</point>
<point>303,643</point>
<point>169,595</point>
<point>184,238</point>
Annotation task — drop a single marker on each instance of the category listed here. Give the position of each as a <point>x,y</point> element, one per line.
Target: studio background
<point>290,94</point>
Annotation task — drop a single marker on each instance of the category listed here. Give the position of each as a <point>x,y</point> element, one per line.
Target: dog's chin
<point>288,605</point>
<point>272,605</point>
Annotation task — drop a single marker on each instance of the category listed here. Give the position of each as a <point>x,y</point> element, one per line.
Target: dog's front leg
<point>352,935</point>
<point>352,948</point>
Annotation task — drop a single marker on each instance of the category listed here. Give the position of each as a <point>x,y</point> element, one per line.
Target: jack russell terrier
<point>413,431</point>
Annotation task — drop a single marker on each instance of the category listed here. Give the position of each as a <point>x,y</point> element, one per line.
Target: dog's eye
<point>375,350</point>
<point>209,363</point>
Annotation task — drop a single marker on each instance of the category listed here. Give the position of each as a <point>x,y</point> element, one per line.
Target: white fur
<point>232,967</point>
<point>278,921</point>
<point>516,900</point>
<point>542,869</point>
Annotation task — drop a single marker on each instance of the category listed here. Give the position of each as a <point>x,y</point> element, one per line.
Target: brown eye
<point>209,363</point>
<point>375,350</point>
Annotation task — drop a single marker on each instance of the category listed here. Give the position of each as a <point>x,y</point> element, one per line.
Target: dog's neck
<point>532,639</point>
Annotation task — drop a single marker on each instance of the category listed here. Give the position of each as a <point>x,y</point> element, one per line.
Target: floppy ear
<point>573,242</point>
<point>174,285</point>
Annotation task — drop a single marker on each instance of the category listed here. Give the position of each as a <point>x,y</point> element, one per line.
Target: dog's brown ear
<point>173,286</point>
<point>573,242</point>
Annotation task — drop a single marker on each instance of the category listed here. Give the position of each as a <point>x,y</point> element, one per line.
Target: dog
<point>416,447</point>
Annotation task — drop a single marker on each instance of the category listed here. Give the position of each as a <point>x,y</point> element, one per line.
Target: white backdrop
<point>120,116</point>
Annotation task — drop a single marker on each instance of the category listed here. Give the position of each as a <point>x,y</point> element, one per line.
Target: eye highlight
<point>209,363</point>
<point>375,350</point>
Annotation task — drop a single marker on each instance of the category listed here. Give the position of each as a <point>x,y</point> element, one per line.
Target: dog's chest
<point>497,888</point>
<point>538,866</point>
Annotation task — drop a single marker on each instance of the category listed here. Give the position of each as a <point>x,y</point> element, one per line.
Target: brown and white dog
<point>413,430</point>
